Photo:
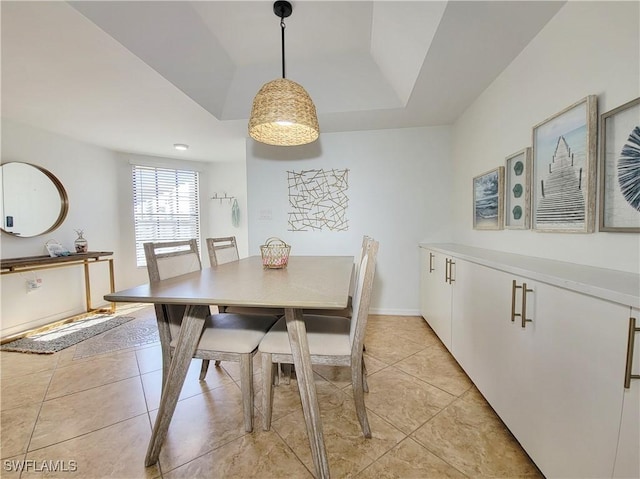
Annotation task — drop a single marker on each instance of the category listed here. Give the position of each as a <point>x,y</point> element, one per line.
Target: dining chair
<point>222,250</point>
<point>284,372</point>
<point>333,340</point>
<point>225,336</point>
<point>225,250</point>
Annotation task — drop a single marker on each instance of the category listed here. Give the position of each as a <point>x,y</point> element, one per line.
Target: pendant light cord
<point>282,27</point>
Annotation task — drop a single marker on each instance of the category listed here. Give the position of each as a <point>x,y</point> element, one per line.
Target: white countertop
<point>612,285</point>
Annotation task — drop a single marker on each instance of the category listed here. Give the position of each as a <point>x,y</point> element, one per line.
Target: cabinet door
<point>435,294</point>
<point>480,335</point>
<point>628,456</point>
<point>556,383</point>
<point>576,351</point>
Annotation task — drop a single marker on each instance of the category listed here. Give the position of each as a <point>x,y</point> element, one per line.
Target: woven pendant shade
<point>283,114</point>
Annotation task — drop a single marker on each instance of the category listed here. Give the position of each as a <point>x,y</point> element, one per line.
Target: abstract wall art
<point>620,169</point>
<point>318,200</point>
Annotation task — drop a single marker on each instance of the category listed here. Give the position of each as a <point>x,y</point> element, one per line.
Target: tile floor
<point>91,416</point>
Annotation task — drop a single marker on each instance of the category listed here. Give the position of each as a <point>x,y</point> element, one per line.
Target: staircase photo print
<point>564,155</point>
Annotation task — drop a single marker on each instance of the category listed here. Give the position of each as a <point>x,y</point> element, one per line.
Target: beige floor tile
<point>17,426</point>
<point>202,423</point>
<point>233,368</point>
<point>260,455</point>
<point>149,358</point>
<point>403,400</point>
<point>469,436</point>
<point>411,328</point>
<point>286,397</point>
<point>437,367</point>
<point>70,416</point>
<point>340,376</point>
<point>23,390</point>
<point>152,383</point>
<point>409,460</point>
<point>18,364</point>
<point>90,373</point>
<point>115,451</point>
<point>347,449</point>
<point>389,347</point>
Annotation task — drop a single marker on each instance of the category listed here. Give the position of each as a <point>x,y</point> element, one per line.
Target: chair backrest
<point>356,267</point>
<point>222,250</point>
<point>362,294</point>
<point>171,258</point>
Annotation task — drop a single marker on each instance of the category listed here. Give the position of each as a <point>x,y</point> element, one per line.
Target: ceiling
<point>140,76</point>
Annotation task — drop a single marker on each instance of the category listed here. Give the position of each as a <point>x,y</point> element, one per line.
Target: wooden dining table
<point>308,282</point>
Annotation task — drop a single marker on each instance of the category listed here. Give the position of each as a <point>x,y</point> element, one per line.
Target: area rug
<point>65,335</point>
<point>141,331</point>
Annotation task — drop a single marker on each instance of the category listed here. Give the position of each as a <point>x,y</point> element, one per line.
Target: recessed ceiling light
<point>181,146</point>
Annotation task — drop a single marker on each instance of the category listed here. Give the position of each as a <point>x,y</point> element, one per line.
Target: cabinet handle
<point>523,315</point>
<point>630,344</point>
<point>513,300</point>
<point>446,270</point>
<point>430,262</point>
<point>448,275</point>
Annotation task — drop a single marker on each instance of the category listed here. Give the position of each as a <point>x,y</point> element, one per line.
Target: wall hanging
<point>318,200</point>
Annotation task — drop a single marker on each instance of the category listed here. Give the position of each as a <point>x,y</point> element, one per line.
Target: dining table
<point>307,282</point>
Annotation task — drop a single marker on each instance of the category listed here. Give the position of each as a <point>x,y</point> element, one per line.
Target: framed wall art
<point>488,199</point>
<point>564,173</point>
<point>517,190</point>
<point>620,169</point>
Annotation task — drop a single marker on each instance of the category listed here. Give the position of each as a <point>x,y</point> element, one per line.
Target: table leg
<point>306,385</point>
<point>190,332</point>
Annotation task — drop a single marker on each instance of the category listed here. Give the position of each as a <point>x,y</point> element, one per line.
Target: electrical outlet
<point>33,284</point>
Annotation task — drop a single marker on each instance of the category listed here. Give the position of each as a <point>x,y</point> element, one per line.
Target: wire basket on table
<point>275,253</point>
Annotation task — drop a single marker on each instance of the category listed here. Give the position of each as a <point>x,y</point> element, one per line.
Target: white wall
<point>398,193</point>
<point>587,48</point>
<point>99,187</point>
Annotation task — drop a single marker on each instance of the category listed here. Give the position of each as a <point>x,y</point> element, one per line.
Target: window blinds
<point>166,206</point>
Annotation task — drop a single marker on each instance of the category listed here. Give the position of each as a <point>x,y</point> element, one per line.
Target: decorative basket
<point>275,253</point>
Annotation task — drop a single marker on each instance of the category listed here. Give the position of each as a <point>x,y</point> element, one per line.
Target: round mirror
<point>32,200</point>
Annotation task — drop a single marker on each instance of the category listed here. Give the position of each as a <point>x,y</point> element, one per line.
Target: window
<point>165,206</point>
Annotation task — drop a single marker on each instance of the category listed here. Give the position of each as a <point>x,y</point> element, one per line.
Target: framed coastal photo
<point>517,190</point>
<point>564,173</point>
<point>488,198</point>
<point>620,169</point>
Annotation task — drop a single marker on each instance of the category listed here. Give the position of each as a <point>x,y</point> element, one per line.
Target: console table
<point>35,263</point>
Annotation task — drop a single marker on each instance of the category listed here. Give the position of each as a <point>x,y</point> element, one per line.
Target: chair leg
<point>358,397</point>
<point>203,369</point>
<point>365,386</point>
<point>217,363</point>
<point>268,377</point>
<point>285,372</point>
<point>246,386</point>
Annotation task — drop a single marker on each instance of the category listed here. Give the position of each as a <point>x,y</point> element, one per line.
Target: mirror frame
<point>64,200</point>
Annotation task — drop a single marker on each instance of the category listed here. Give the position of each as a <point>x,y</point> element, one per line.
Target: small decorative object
<point>564,157</point>
<point>620,169</point>
<point>275,253</point>
<point>517,190</point>
<point>488,199</point>
<point>56,249</point>
<point>82,245</point>
<point>235,214</point>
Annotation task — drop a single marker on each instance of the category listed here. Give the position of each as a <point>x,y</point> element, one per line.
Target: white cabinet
<point>556,379</point>
<point>627,459</point>
<point>436,282</point>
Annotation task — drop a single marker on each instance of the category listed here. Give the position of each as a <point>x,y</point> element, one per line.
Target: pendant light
<point>283,112</point>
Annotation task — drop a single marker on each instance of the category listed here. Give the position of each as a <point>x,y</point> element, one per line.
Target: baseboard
<point>395,312</point>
